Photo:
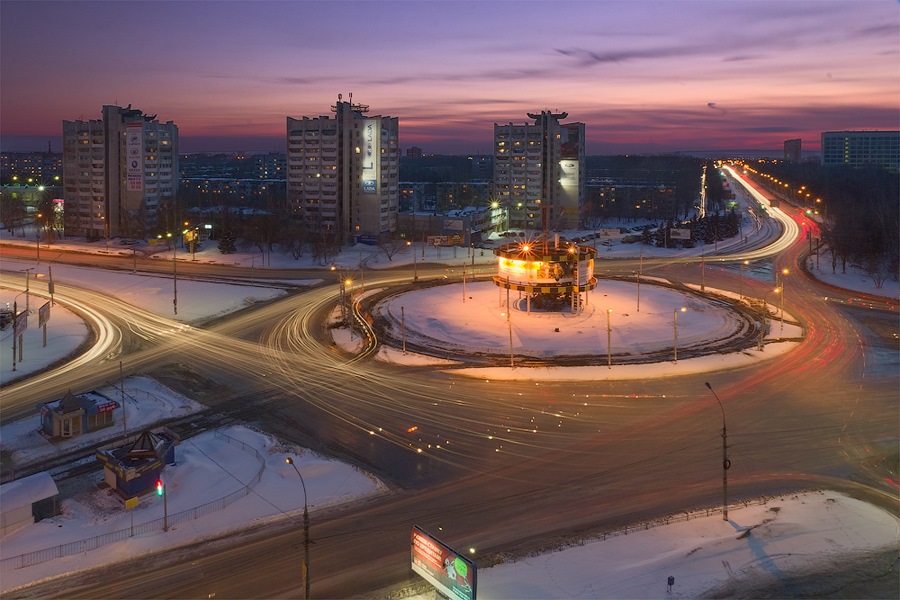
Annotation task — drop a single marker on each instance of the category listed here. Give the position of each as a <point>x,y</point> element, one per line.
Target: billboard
<point>43,314</point>
<point>680,234</point>
<point>453,575</point>
<point>134,156</point>
<point>20,322</point>
<point>371,159</point>
<point>453,224</point>
<point>570,141</point>
<point>609,233</point>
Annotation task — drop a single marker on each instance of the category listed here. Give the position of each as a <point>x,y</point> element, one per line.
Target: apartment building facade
<point>539,172</point>
<point>343,173</point>
<point>120,174</point>
<point>861,148</point>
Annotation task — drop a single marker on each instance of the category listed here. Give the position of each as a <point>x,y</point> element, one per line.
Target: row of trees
<point>859,213</point>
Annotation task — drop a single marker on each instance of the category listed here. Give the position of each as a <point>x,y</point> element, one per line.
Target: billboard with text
<point>453,575</point>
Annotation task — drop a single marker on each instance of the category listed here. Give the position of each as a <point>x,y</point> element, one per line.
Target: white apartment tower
<point>539,172</point>
<point>343,176</point>
<point>120,174</point>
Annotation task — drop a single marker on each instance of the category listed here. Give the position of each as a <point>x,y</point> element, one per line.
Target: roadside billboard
<point>454,576</point>
<point>20,322</point>
<point>680,234</point>
<point>43,314</point>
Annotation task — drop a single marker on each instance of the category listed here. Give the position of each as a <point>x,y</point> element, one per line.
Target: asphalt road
<point>503,467</point>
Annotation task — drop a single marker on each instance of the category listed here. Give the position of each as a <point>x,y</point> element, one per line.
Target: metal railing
<point>77,547</point>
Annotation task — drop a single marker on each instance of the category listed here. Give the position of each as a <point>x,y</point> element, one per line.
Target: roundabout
<point>619,323</point>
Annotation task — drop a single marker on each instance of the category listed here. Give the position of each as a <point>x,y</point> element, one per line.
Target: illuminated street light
<point>765,316</point>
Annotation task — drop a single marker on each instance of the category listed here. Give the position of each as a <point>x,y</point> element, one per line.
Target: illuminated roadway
<point>499,466</point>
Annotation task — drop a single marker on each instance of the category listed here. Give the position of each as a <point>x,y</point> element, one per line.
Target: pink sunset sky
<point>644,76</point>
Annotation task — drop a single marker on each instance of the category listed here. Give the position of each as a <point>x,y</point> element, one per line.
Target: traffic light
<point>159,487</point>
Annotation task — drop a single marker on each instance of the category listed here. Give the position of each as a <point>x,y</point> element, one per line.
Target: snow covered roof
<point>27,490</point>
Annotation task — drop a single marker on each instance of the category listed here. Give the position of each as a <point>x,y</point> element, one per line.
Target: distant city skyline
<point>643,76</point>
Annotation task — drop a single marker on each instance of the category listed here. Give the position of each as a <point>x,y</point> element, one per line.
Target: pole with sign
<point>43,317</point>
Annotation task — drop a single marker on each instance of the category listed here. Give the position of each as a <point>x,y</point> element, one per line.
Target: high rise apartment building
<point>343,173</point>
<point>792,150</point>
<point>539,172</point>
<point>120,174</point>
<point>861,148</point>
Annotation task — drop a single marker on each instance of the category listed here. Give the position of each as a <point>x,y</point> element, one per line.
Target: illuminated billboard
<point>371,160</point>
<point>441,566</point>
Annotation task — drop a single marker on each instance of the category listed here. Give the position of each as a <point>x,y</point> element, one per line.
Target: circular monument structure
<point>553,277</point>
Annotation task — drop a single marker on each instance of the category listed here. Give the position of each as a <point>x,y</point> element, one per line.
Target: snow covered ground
<point>703,553</point>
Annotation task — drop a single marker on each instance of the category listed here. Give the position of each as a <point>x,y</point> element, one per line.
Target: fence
<point>86,545</point>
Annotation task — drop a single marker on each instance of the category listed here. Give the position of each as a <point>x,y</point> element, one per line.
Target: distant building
<point>792,150</point>
<point>861,148</point>
<point>344,173</point>
<point>416,195</point>
<point>120,173</point>
<point>539,172</point>
<point>414,152</point>
<point>450,195</point>
<point>31,168</point>
<point>461,227</point>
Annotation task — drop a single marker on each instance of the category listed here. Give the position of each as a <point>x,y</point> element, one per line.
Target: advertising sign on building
<point>134,156</point>
<point>680,234</point>
<point>371,160</point>
<point>453,224</point>
<point>454,576</point>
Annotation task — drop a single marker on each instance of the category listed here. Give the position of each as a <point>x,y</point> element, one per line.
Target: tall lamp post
<point>741,270</point>
<point>415,263</point>
<point>784,272</point>
<point>765,317</point>
<point>675,325</point>
<point>290,461</point>
<point>608,340</point>
<point>726,464</point>
<point>27,279</point>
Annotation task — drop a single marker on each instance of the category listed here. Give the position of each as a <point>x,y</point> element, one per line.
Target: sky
<point>643,76</point>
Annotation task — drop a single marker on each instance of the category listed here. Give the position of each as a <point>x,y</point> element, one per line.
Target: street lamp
<point>765,317</point>
<point>290,461</point>
<point>726,464</point>
<point>784,272</point>
<point>675,325</point>
<point>608,340</point>
<point>415,264</point>
<point>38,238</point>
<point>741,285</point>
<point>27,278</point>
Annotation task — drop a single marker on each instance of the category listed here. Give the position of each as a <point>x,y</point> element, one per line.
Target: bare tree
<point>391,246</point>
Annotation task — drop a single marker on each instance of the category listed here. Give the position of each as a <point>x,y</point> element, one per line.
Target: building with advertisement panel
<point>343,173</point>
<point>539,172</point>
<point>120,174</point>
